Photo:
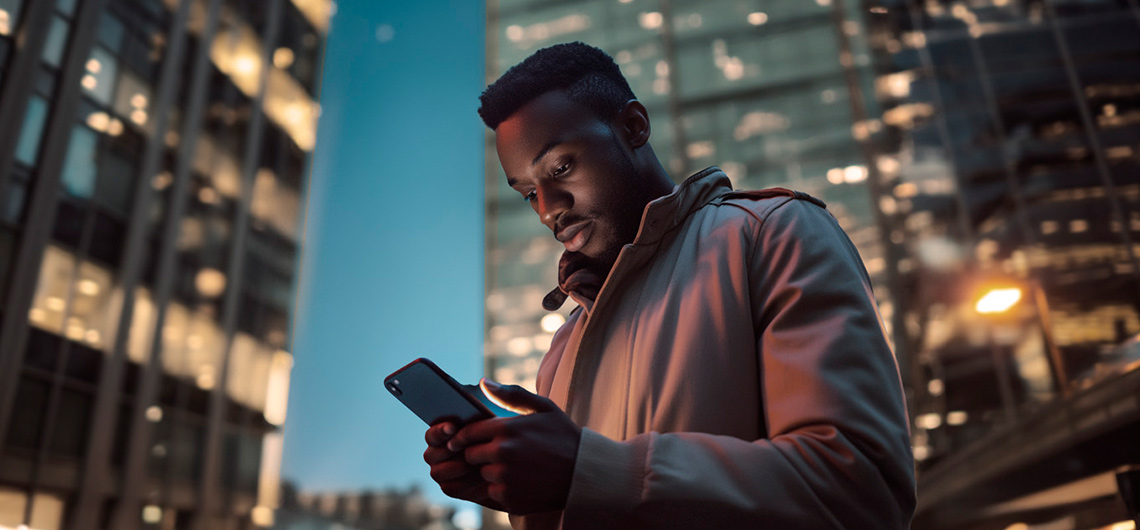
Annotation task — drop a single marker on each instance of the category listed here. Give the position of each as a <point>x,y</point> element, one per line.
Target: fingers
<point>477,432</point>
<point>437,435</point>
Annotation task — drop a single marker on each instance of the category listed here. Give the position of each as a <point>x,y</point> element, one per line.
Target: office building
<point>152,178</point>
<point>756,88</point>
<point>968,148</point>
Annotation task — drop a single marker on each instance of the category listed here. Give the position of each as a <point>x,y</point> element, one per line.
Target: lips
<point>574,237</point>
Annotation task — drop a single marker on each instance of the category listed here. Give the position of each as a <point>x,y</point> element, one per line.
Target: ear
<point>633,123</point>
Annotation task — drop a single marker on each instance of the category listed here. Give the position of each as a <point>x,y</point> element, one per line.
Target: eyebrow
<point>545,149</point>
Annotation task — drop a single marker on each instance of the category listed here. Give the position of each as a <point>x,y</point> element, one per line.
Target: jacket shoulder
<point>760,203</point>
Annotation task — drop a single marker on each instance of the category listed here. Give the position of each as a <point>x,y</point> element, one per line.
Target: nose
<point>550,203</point>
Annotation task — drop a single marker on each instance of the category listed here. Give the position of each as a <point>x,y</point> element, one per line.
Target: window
<point>75,300</point>
<point>100,78</point>
<point>80,163</point>
<point>56,42</point>
<point>9,16</point>
<point>28,145</point>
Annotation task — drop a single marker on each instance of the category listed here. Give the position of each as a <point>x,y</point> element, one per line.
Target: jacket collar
<point>666,213</point>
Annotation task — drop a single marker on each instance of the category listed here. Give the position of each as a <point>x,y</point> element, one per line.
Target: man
<point>726,366</point>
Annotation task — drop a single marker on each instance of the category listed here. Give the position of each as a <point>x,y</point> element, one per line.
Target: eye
<point>561,169</point>
<point>530,196</point>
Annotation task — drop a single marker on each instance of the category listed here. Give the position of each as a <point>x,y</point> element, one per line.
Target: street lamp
<point>1000,299</point>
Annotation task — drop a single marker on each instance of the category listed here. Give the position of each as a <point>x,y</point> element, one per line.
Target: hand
<point>454,475</point>
<point>526,461</point>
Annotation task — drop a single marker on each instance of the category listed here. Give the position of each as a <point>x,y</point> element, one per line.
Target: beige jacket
<point>732,373</point>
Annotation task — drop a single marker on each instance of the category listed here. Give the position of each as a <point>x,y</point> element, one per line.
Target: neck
<point>657,181</point>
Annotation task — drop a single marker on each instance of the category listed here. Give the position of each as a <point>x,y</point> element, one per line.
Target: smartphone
<point>433,395</point>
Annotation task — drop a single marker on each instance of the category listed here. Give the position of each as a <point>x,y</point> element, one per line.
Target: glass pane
<point>56,273</point>
<point>80,163</point>
<point>132,99</point>
<point>32,131</point>
<point>9,17</point>
<point>56,42</point>
<point>27,418</point>
<point>47,509</point>
<point>69,434</point>
<point>116,182</point>
<point>95,307</point>
<point>142,327</point>
<point>100,78</point>
<point>275,204</point>
<point>111,32</point>
<point>17,194</point>
<point>12,501</point>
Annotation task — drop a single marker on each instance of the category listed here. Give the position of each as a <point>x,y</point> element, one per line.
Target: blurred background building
<point>971,149</point>
<point>365,510</point>
<point>152,172</point>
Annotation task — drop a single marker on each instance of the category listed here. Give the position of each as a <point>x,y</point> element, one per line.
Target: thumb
<point>515,398</point>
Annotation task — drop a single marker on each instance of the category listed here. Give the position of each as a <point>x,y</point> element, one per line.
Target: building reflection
<point>150,195</point>
<point>965,146</point>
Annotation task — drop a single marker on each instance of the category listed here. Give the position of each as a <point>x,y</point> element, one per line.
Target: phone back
<point>433,395</point>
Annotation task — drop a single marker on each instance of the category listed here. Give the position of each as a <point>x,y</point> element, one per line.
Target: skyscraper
<point>774,93</point>
<point>969,148</point>
<point>151,183</point>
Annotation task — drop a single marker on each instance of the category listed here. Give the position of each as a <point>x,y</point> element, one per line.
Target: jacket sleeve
<point>837,455</point>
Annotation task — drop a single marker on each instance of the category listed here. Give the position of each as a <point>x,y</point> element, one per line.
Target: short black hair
<point>588,75</point>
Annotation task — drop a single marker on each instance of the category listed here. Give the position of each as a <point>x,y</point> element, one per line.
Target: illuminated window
<point>192,345</point>
<point>75,300</point>
<point>9,16</point>
<point>250,363</point>
<point>275,204</point>
<point>99,79</point>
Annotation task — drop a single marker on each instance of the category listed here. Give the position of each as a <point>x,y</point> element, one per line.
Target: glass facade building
<point>978,149</point>
<point>151,188</point>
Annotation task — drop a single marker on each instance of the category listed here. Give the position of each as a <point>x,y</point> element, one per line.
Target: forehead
<point>551,117</point>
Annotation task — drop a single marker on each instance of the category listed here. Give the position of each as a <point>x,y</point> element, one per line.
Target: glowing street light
<point>998,300</point>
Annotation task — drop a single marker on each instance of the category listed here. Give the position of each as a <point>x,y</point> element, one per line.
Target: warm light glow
<point>998,300</point>
<point>935,387</point>
<point>283,57</point>
<point>36,315</point>
<point>138,101</point>
<point>1017,526</point>
<point>1124,525</point>
<point>929,421</point>
<point>94,66</point>
<point>650,20</point>
<point>550,323</point>
<point>854,174</point>
<point>89,82</point>
<point>98,121</point>
<point>757,18</point>
<point>210,283</point>
<point>139,117</point>
<point>54,303</point>
<point>261,516</point>
<point>151,514</point>
<point>87,287</point>
<point>519,346</point>
<point>92,336</point>
<point>162,180</point>
<point>208,196</point>
<point>154,414</point>
<point>245,65</point>
<point>5,22</point>
<point>277,389</point>
<point>957,417</point>
<point>495,399</point>
<point>115,128</point>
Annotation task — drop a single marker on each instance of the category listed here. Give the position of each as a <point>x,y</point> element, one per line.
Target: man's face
<point>576,174</point>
